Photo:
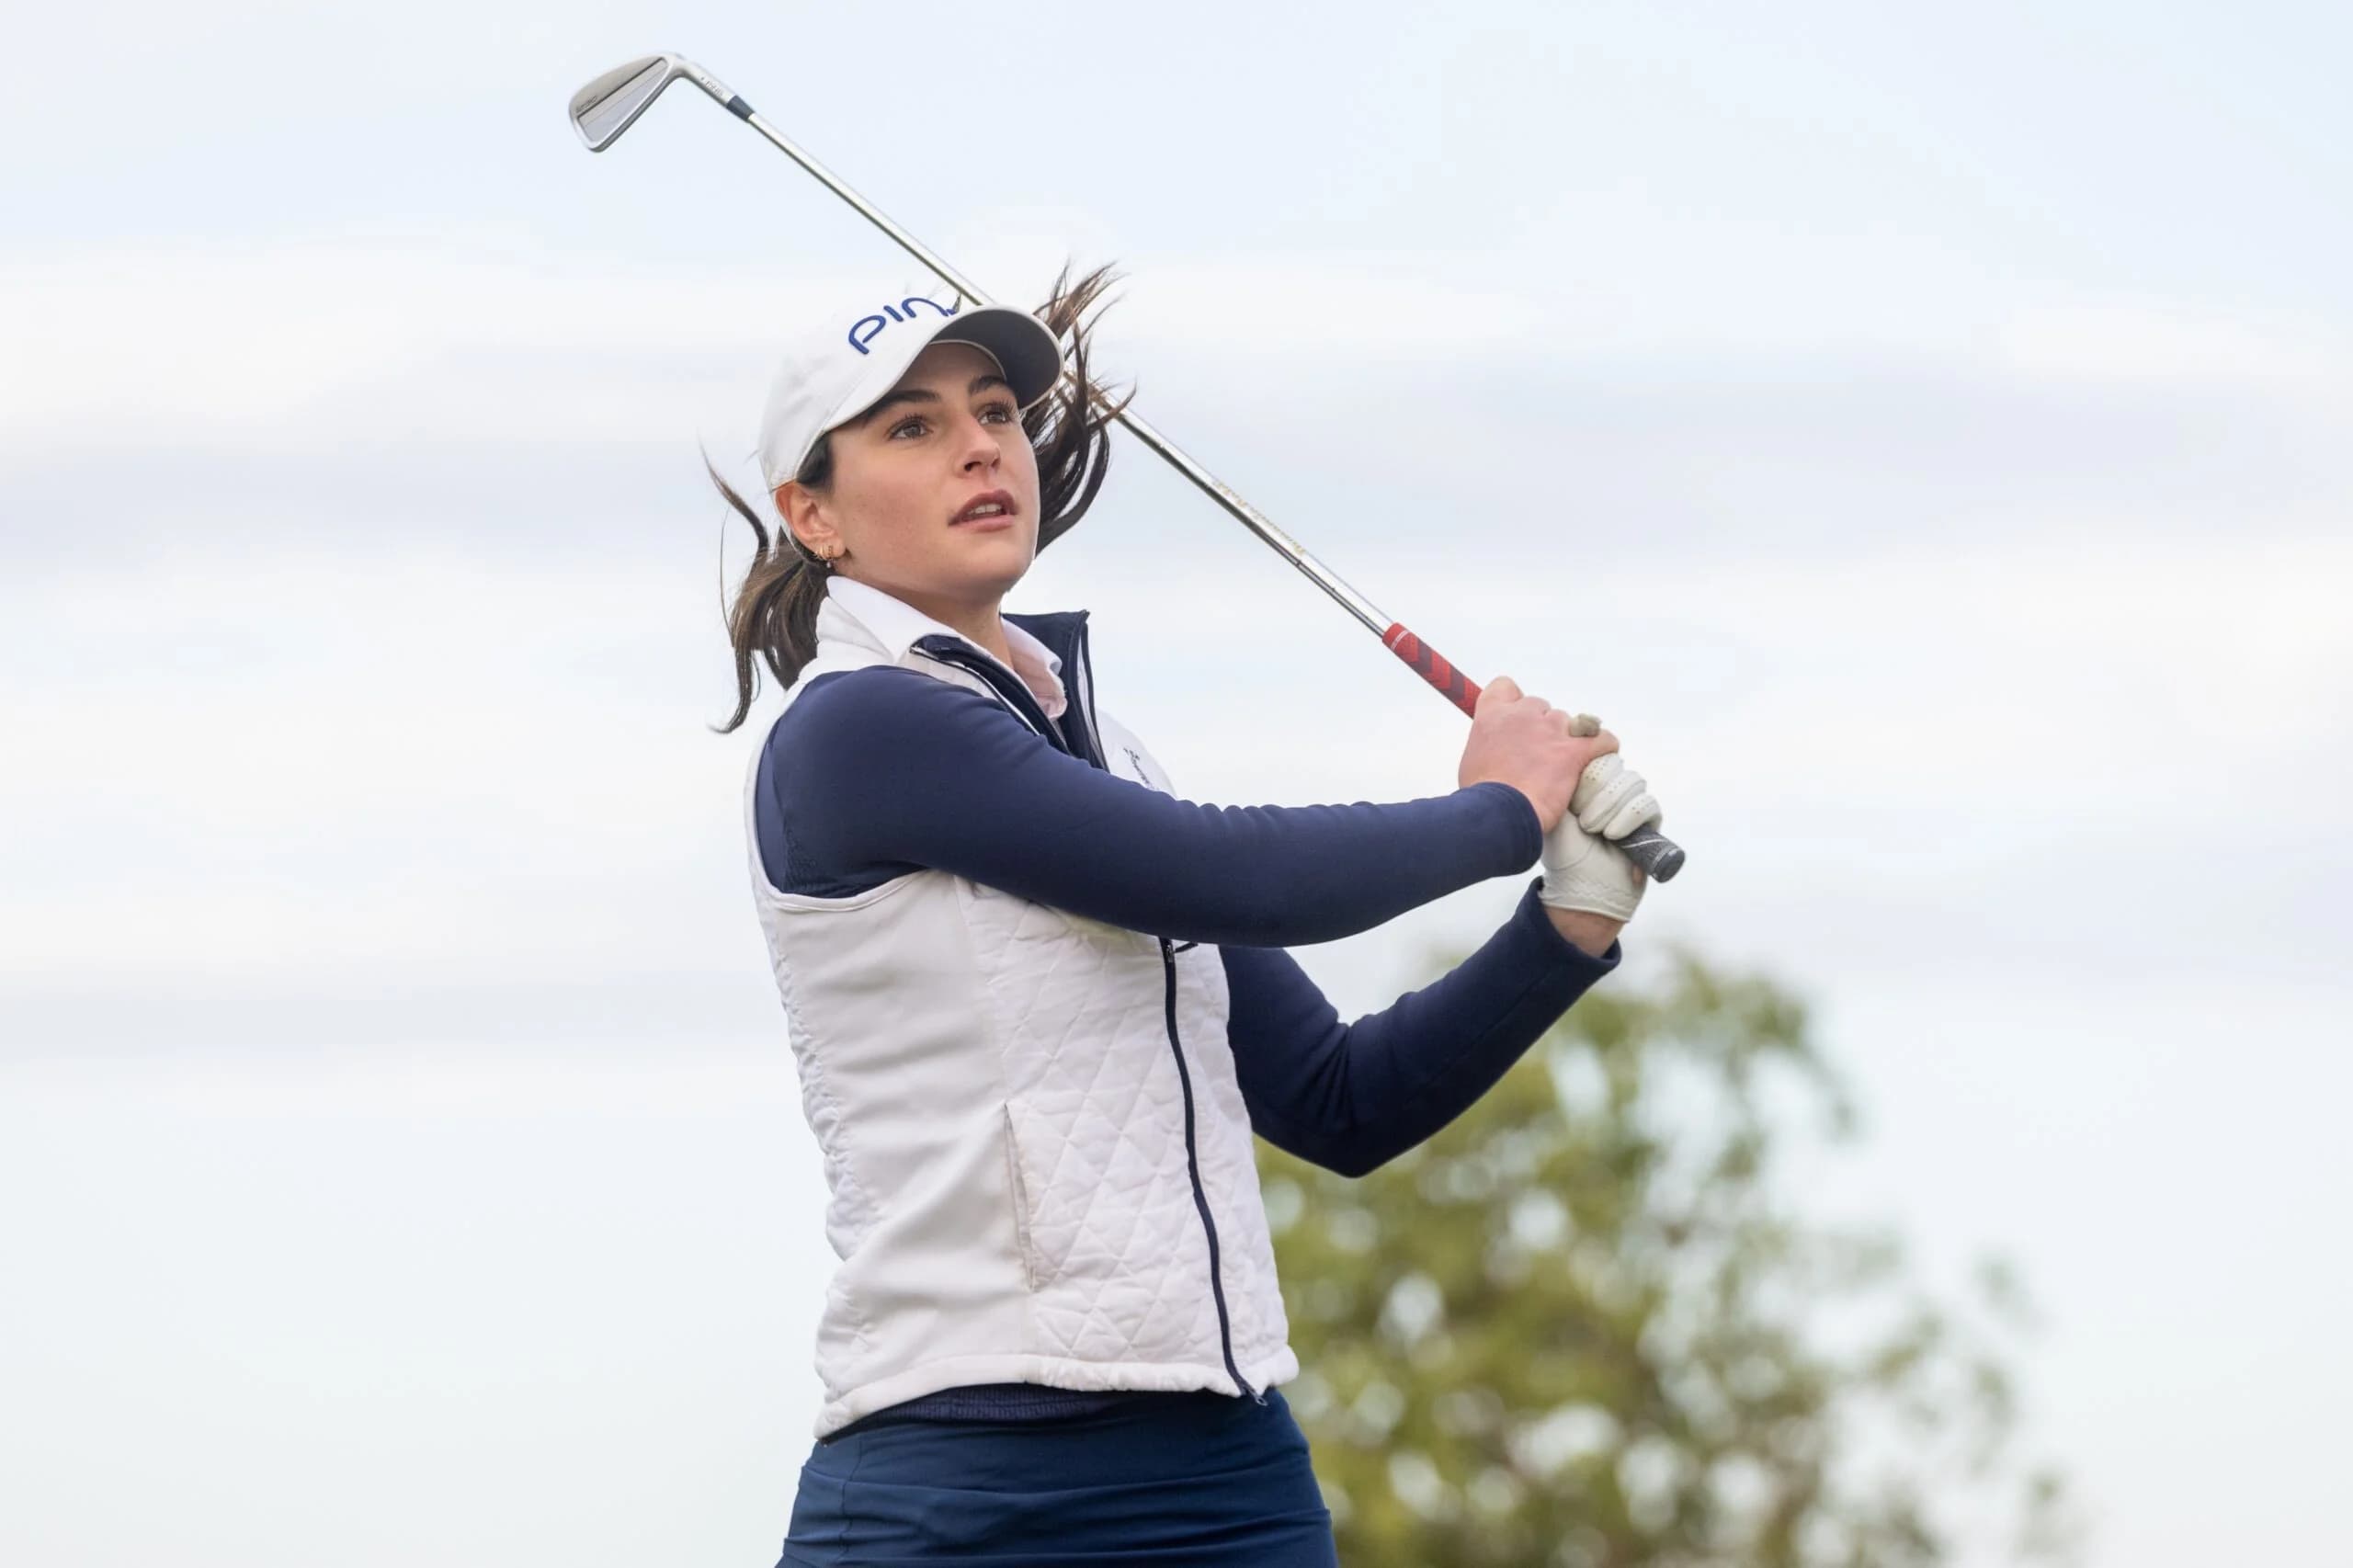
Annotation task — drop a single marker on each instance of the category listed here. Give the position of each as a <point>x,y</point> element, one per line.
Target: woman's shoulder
<point>821,696</point>
<point>872,715</point>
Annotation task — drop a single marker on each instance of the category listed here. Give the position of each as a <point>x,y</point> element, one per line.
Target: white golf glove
<point>1583,870</point>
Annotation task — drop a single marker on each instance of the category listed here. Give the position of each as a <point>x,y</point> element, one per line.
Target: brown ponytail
<point>774,616</point>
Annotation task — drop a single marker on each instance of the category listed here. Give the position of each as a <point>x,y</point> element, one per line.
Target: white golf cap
<point>849,356</point>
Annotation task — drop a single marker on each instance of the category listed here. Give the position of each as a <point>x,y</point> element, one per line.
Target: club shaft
<point>1656,853</point>
<point>1216,489</point>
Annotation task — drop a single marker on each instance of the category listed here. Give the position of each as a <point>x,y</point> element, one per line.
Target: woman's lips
<point>989,522</point>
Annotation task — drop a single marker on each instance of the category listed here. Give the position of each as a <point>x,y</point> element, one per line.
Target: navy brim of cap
<point>1031,359</point>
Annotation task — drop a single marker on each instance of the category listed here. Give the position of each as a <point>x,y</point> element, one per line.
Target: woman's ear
<point>798,506</point>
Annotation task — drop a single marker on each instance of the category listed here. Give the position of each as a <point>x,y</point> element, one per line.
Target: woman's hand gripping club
<point>1585,796</point>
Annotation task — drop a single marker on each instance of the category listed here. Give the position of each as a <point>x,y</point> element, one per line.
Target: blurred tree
<point>1581,1328</point>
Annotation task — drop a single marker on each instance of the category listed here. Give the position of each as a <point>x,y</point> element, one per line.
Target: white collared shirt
<point>899,626</point>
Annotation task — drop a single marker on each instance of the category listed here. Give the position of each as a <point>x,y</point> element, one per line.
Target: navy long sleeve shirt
<point>874,773</point>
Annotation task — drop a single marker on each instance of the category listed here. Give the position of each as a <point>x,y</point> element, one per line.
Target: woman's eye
<point>999,413</point>
<point>907,427</point>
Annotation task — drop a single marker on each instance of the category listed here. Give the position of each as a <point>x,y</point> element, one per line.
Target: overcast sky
<point>1925,435</point>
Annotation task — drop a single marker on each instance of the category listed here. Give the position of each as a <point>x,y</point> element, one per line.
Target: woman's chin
<point>1001,560</point>
<point>978,583</point>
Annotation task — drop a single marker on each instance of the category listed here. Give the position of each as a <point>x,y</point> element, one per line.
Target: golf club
<point>608,106</point>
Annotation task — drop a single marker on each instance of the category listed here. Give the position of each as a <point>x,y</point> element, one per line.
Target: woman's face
<point>934,497</point>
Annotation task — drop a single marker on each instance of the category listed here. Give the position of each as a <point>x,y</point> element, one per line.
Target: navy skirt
<point>1174,1480</point>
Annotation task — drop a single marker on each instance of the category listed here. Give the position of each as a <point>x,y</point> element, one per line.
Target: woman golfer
<point>1039,1004</point>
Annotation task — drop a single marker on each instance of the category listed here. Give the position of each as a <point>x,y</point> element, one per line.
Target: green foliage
<point>1581,1328</point>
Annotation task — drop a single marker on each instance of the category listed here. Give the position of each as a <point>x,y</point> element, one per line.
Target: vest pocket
<point>1017,1189</point>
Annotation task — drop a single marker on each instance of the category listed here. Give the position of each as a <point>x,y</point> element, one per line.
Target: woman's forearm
<point>1352,1096</point>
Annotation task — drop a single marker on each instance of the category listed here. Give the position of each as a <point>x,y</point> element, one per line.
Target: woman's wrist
<point>1589,933</point>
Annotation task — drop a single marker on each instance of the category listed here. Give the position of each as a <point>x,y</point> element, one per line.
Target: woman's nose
<point>981,449</point>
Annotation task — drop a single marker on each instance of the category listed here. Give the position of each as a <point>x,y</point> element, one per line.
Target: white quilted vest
<point>1003,1114</point>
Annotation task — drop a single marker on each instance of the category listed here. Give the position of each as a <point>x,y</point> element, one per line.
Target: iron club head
<point>611,104</point>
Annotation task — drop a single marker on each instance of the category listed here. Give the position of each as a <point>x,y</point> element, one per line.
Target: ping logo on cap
<point>903,310</point>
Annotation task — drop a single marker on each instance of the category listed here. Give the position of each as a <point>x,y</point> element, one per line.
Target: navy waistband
<point>998,1401</point>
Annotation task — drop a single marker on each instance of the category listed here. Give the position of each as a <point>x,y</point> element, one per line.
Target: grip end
<point>1659,857</point>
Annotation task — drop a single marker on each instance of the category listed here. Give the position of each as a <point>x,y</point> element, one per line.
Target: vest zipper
<point>1193,1168</point>
<point>1084,687</point>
